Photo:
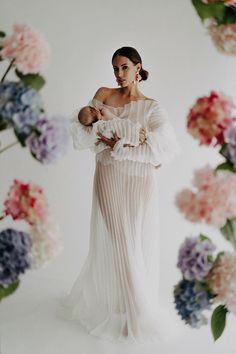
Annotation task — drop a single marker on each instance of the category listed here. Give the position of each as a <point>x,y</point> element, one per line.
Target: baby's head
<point>88,115</point>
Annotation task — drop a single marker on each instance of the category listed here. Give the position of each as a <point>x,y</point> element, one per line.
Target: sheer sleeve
<point>83,137</point>
<point>160,146</point>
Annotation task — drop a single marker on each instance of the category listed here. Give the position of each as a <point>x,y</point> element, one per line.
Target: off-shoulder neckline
<point>126,104</point>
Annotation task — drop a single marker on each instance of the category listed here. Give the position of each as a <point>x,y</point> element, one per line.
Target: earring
<point>137,77</point>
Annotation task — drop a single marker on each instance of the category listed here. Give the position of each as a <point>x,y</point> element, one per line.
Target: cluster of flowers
<point>33,249</point>
<point>21,107</point>
<point>211,121</point>
<point>205,281</point>
<point>212,201</point>
<point>219,19</point>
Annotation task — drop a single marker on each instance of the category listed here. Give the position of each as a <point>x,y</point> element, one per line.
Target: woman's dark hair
<point>133,55</point>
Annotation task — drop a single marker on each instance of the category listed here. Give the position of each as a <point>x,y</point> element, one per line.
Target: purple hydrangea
<point>15,247</point>
<point>230,139</point>
<point>49,139</point>
<point>20,107</point>
<point>191,299</point>
<point>195,257</point>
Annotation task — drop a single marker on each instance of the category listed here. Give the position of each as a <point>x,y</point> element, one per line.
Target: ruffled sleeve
<point>161,145</point>
<point>83,137</point>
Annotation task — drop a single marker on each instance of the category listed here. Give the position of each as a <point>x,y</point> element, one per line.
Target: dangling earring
<point>137,77</point>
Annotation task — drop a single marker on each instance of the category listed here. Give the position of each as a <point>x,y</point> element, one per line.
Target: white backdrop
<point>182,63</point>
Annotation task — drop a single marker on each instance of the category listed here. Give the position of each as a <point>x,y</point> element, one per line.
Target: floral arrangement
<point>20,250</point>
<point>21,106</point>
<point>219,19</point>
<point>209,117</point>
<point>211,121</point>
<point>46,137</point>
<point>208,279</point>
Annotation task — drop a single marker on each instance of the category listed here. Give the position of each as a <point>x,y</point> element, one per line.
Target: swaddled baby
<point>89,116</point>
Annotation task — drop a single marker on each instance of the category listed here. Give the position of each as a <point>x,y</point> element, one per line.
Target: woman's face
<point>125,70</point>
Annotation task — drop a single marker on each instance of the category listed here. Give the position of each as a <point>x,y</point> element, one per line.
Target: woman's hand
<point>110,142</point>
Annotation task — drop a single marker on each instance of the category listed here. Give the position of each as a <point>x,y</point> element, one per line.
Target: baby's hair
<point>82,116</point>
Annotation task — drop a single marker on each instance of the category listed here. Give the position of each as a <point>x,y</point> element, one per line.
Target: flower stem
<point>9,67</point>
<point>9,146</point>
<point>3,216</point>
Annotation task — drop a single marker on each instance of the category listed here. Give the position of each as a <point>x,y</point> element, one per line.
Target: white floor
<point>29,325</point>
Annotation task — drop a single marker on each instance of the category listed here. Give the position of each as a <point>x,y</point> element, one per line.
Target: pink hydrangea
<point>209,117</point>
<point>213,199</point>
<point>222,281</point>
<point>28,47</point>
<point>26,201</point>
<point>223,35</point>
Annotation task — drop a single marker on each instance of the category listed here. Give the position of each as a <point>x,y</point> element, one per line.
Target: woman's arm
<point>160,145</point>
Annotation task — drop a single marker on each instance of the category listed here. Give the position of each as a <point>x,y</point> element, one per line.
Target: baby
<point>89,115</point>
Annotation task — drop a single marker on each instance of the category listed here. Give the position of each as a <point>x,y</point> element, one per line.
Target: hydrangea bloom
<point>230,139</point>
<point>50,139</point>
<point>214,199</point>
<point>26,201</point>
<point>191,299</point>
<point>15,248</point>
<point>209,117</point>
<point>27,47</point>
<point>20,106</point>
<point>46,243</point>
<point>222,280</point>
<point>193,258</point>
<point>223,35</point>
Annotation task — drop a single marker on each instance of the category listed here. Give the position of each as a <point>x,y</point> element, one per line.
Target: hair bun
<point>144,74</point>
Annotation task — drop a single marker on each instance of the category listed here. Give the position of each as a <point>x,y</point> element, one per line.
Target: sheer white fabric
<point>116,293</point>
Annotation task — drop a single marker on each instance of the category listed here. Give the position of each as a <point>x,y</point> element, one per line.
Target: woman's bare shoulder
<point>102,93</point>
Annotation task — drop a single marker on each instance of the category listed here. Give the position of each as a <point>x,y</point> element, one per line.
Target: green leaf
<point>204,237</point>
<point>33,80</point>
<point>218,321</point>
<point>229,231</point>
<point>3,124</point>
<point>217,10</point>
<point>4,292</point>
<point>228,166</point>
<point>230,15</point>
<point>218,257</point>
<point>210,258</point>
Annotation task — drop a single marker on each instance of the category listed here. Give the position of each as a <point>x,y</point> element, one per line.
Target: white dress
<point>116,293</point>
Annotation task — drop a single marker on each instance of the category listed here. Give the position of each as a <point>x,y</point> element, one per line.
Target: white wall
<point>183,64</point>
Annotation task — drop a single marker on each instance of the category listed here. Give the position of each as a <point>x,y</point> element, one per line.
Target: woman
<point>116,294</point>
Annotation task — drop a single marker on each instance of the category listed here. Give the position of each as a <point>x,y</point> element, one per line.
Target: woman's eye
<point>125,67</point>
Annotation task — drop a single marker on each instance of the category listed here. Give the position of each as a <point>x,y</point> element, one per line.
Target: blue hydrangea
<point>20,107</point>
<point>15,247</point>
<point>191,299</point>
<point>195,258</point>
<point>49,139</point>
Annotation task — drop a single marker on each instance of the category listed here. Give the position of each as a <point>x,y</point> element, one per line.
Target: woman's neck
<point>130,91</point>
